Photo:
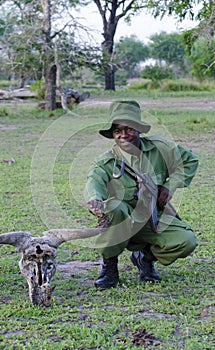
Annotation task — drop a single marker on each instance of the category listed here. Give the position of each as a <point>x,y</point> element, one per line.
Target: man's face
<point>127,138</point>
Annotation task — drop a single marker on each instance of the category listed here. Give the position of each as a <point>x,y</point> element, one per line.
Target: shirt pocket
<point>121,190</point>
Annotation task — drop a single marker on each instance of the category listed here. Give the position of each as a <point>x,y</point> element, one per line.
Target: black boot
<point>109,276</point>
<point>103,270</point>
<point>144,260</point>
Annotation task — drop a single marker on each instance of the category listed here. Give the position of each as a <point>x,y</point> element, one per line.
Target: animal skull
<point>38,266</point>
<point>38,261</point>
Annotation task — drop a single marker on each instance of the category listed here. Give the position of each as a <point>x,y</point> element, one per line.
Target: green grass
<point>178,313</point>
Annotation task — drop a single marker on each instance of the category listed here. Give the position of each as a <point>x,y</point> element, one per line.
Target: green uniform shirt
<point>168,164</point>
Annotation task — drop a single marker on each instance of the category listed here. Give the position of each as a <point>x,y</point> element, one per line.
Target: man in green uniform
<point>136,215</point>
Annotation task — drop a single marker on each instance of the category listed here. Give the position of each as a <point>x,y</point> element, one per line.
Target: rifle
<point>144,182</point>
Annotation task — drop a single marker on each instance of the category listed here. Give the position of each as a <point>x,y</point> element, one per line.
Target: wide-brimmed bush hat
<point>127,113</point>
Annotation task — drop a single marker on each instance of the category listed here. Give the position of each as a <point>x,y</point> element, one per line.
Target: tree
<point>130,51</point>
<point>27,35</point>
<point>112,11</point>
<point>203,59</point>
<point>51,31</point>
<point>167,47</point>
<point>199,43</point>
<point>19,43</point>
<point>156,74</point>
<point>169,50</point>
<point>32,35</point>
<point>50,68</point>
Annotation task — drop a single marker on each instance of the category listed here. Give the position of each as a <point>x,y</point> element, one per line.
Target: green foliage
<point>142,84</point>
<point>3,112</point>
<point>177,85</point>
<point>183,85</point>
<point>203,59</point>
<point>169,50</point>
<point>20,41</point>
<point>38,87</point>
<point>157,73</point>
<point>189,37</point>
<point>28,56</point>
<point>182,9</point>
<point>130,51</point>
<point>199,43</point>
<point>121,77</point>
<point>167,47</point>
<point>7,84</point>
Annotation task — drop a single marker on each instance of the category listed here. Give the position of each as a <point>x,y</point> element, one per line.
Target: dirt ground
<point>184,103</point>
<point>201,104</point>
<point>74,267</point>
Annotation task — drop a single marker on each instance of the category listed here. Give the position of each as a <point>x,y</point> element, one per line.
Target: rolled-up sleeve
<point>96,185</point>
<point>190,164</point>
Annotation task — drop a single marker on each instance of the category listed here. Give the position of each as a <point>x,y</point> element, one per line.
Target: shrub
<point>157,73</point>
<point>139,84</point>
<point>183,85</point>
<point>38,87</point>
<point>3,112</point>
<point>5,84</point>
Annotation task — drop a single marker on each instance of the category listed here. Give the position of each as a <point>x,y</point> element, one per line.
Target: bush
<point>157,73</point>
<point>183,85</point>
<point>3,112</point>
<point>38,87</point>
<point>139,84</point>
<point>121,77</point>
<point>6,84</point>
<point>170,85</point>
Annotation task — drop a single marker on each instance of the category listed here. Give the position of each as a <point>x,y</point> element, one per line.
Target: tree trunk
<point>108,11</point>
<point>49,59</point>
<point>110,80</point>
<point>107,46</point>
<point>22,82</point>
<point>109,30</point>
<point>50,79</point>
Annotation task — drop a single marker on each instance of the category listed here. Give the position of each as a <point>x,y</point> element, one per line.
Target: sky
<point>143,26</point>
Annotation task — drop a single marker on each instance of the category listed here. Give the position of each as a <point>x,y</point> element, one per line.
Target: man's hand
<point>96,207</point>
<point>164,196</point>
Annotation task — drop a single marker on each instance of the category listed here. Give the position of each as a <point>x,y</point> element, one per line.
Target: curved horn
<point>58,236</point>
<point>17,239</point>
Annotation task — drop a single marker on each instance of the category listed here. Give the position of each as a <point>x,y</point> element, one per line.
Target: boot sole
<point>102,286</point>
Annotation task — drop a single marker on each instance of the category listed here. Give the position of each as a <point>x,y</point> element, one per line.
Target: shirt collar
<point>145,146</point>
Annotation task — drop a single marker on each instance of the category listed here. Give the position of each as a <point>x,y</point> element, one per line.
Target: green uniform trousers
<point>174,238</point>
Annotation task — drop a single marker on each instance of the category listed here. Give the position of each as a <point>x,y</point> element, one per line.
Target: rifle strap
<point>120,156</point>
